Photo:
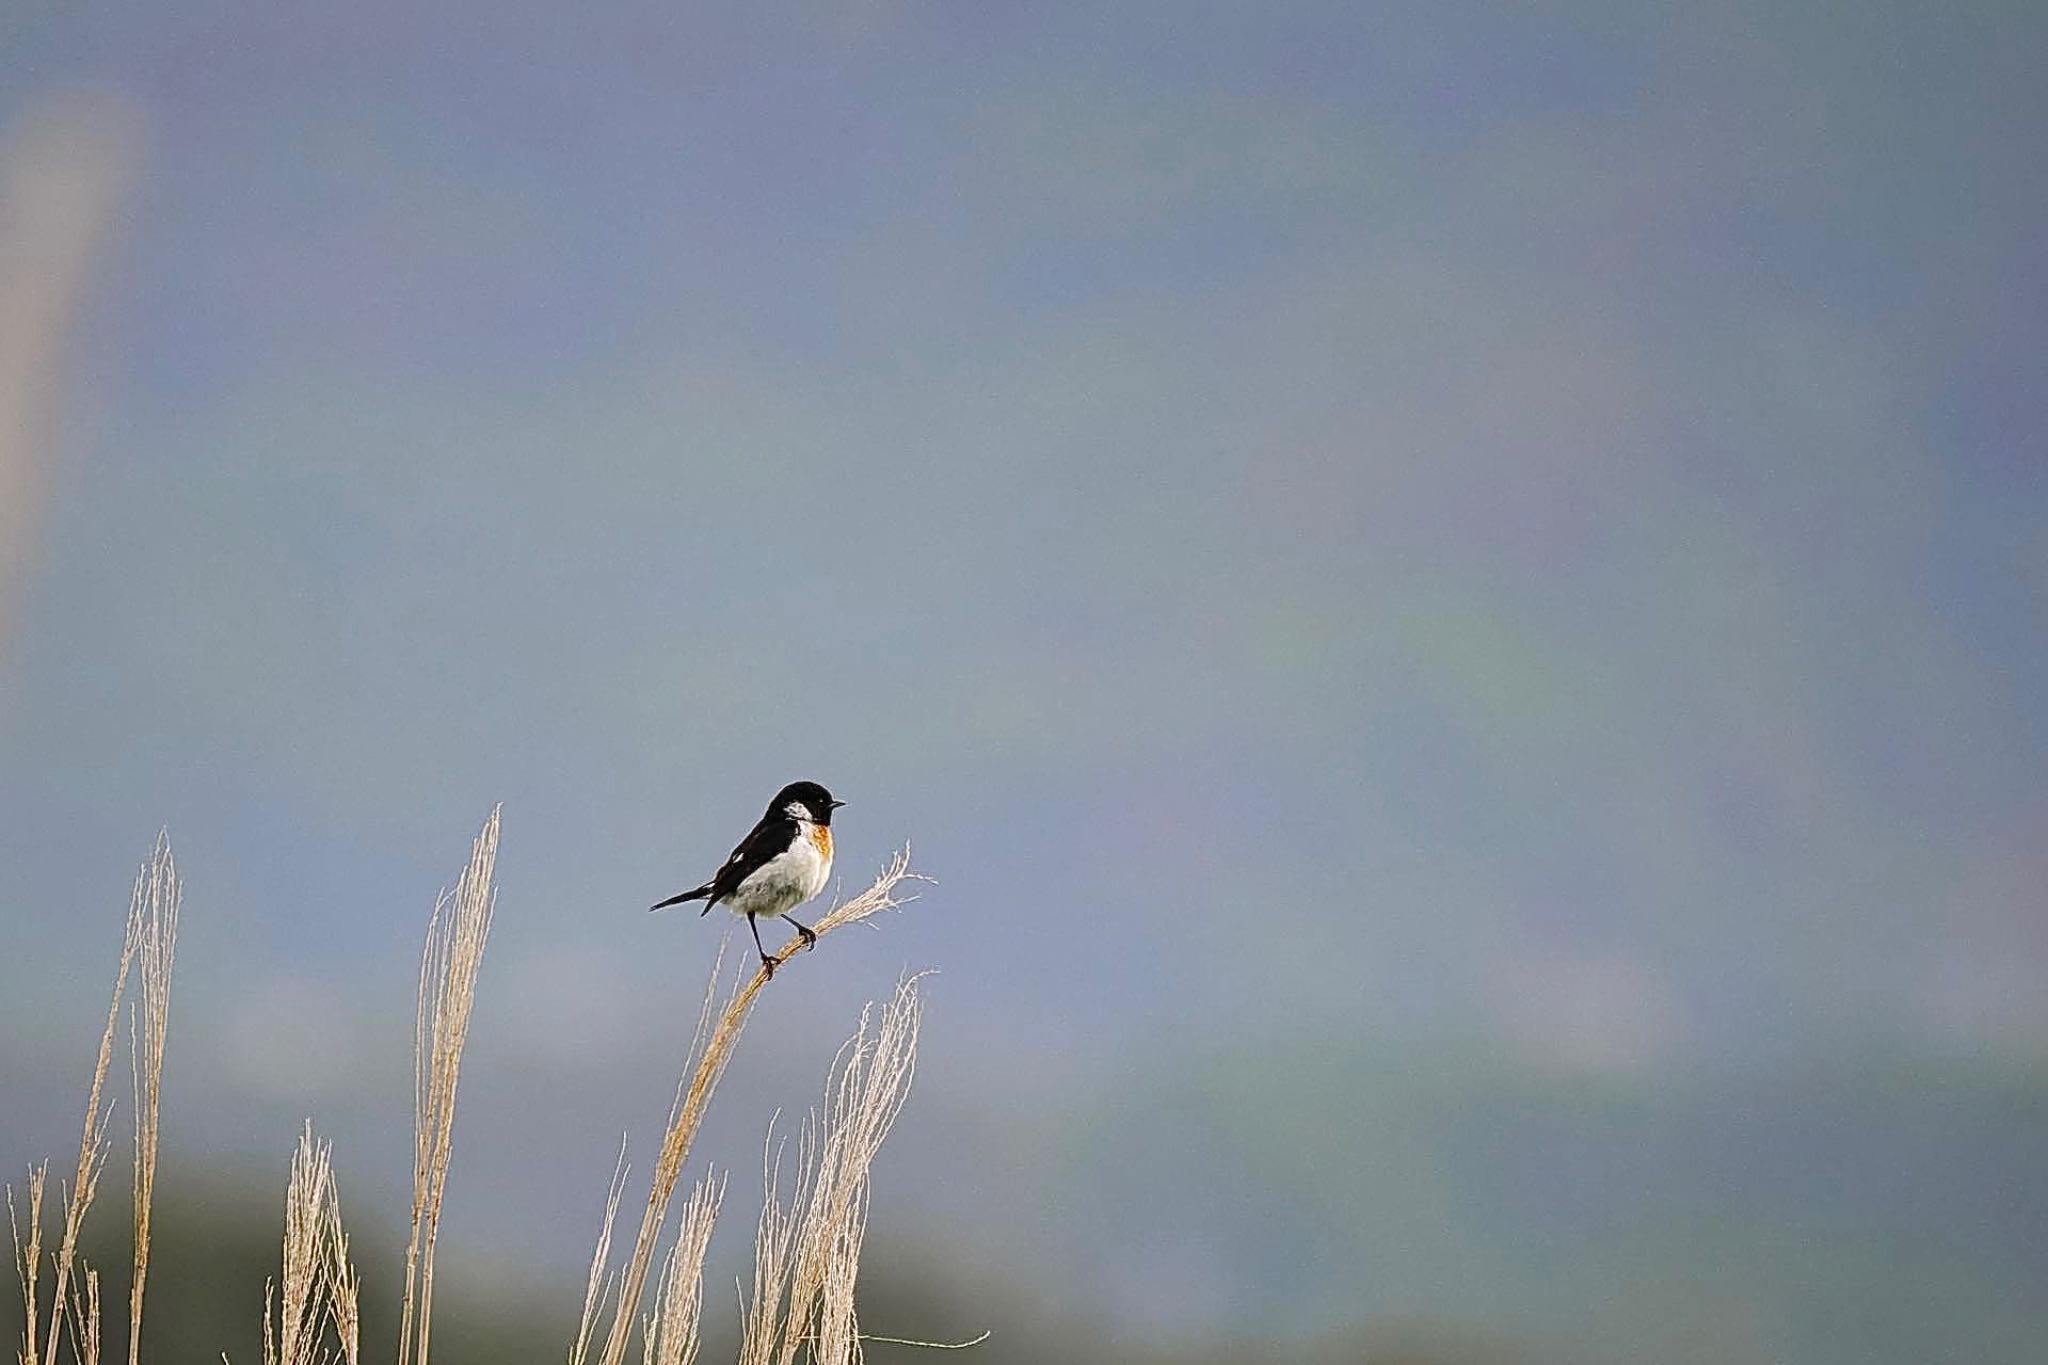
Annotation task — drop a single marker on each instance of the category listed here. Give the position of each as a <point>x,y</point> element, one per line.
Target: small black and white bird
<point>783,862</point>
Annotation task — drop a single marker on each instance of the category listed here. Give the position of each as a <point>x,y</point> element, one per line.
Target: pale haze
<point>1456,598</point>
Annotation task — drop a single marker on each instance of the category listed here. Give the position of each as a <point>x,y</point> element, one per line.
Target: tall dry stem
<point>343,1284</point>
<point>317,1285</point>
<point>597,1291</point>
<point>92,1144</point>
<point>670,1333</point>
<point>158,894</point>
<point>28,1259</point>
<point>456,934</point>
<point>151,934</point>
<point>85,1319</point>
<point>774,1246</point>
<point>807,1256</point>
<point>705,1065</point>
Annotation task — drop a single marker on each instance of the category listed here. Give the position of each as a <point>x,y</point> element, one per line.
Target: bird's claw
<point>804,932</point>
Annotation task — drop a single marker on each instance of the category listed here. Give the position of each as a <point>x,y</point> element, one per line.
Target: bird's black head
<point>816,802</point>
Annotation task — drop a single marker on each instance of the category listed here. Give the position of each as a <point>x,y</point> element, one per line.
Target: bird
<point>783,862</point>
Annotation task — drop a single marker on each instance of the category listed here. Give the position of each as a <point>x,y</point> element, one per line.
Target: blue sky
<point>1510,527</point>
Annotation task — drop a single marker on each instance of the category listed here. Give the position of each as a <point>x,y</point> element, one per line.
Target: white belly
<point>782,883</point>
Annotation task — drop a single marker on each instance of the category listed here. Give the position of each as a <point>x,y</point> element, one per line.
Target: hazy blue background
<point>1457,597</point>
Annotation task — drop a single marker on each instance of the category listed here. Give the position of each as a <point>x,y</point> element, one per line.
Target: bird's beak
<point>837,804</point>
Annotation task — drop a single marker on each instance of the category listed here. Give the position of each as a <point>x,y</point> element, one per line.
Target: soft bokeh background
<point>1456,595</point>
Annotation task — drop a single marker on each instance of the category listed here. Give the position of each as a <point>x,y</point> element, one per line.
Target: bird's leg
<point>810,938</point>
<point>767,962</point>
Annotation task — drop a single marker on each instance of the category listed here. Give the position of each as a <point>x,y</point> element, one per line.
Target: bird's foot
<point>805,932</point>
<point>769,964</point>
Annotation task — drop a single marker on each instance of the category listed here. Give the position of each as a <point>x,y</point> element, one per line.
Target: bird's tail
<point>701,893</point>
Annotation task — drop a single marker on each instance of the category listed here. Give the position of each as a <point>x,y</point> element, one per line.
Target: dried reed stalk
<point>807,1256</point>
<point>343,1284</point>
<point>92,1145</point>
<point>28,1260</point>
<point>456,934</point>
<point>670,1332</point>
<point>85,1319</point>
<point>158,894</point>
<point>151,934</point>
<point>706,1064</point>
<point>318,1286</point>
<point>597,1291</point>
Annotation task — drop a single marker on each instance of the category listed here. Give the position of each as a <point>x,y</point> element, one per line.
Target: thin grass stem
<point>456,936</point>
<point>705,1067</point>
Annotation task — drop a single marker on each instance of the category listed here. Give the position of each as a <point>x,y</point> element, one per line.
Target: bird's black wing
<point>772,836</point>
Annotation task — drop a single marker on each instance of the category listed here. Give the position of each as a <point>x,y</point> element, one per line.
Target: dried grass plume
<point>807,1253</point>
<point>155,917</point>
<point>808,1247</point>
<point>709,1053</point>
<point>150,935</point>
<point>318,1291</point>
<point>456,935</point>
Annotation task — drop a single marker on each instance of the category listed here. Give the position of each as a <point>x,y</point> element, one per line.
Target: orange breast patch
<point>822,837</point>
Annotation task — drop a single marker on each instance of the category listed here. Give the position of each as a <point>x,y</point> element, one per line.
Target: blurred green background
<point>1457,596</point>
